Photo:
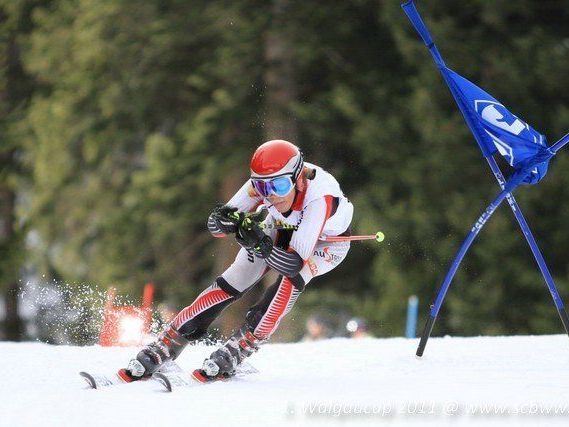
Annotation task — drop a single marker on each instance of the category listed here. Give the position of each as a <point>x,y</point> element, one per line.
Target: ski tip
<point>89,378</point>
<point>163,379</point>
<point>200,376</point>
<point>125,376</point>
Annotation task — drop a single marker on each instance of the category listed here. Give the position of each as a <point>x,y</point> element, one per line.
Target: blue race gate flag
<point>493,126</point>
<point>496,129</point>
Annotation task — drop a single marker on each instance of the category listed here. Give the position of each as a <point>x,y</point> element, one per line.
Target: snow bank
<point>465,381</point>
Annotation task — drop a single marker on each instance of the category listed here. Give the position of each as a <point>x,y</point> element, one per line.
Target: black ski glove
<point>251,236</point>
<point>226,218</point>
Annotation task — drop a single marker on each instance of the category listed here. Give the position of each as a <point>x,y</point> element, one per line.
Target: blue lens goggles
<point>279,186</point>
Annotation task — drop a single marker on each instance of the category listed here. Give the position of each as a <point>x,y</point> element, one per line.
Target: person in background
<point>357,328</point>
<point>316,329</point>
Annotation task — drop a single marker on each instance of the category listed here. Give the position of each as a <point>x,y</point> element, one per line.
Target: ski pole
<point>246,220</point>
<point>379,236</point>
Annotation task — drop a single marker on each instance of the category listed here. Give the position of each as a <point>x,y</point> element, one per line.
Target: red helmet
<point>275,158</point>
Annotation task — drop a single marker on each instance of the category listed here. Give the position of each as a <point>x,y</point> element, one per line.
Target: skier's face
<point>283,204</point>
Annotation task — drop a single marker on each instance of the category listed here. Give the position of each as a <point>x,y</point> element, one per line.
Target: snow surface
<point>333,382</point>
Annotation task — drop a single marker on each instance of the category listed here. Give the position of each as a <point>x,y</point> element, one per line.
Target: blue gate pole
<point>412,314</point>
<point>532,243</point>
<point>441,293</point>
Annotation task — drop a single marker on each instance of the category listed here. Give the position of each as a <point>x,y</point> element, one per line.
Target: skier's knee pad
<point>225,286</point>
<point>196,327</point>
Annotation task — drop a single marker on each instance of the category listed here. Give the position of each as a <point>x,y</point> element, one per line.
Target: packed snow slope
<point>520,380</point>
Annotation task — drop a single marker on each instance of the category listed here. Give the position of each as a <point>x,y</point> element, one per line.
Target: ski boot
<point>223,362</point>
<point>167,347</point>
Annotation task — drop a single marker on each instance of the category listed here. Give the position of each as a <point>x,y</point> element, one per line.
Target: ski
<point>171,380</point>
<point>99,380</point>
<point>170,376</point>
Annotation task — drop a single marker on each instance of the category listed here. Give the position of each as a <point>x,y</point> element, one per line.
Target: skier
<point>300,203</point>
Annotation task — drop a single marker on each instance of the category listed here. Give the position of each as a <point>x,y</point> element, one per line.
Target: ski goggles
<point>280,186</point>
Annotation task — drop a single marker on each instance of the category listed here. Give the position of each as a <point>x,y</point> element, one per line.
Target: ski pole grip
<point>413,15</point>
<point>237,217</point>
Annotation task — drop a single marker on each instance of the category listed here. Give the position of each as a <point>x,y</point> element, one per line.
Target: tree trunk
<point>12,322</point>
<point>13,91</point>
<point>279,77</point>
<point>280,93</point>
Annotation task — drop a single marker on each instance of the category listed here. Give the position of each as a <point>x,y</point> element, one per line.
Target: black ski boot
<point>167,347</point>
<point>223,362</point>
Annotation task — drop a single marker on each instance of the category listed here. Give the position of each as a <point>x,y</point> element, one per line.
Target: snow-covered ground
<point>465,381</point>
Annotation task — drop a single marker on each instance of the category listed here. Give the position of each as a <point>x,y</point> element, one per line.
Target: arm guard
<point>213,228</point>
<point>286,263</point>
